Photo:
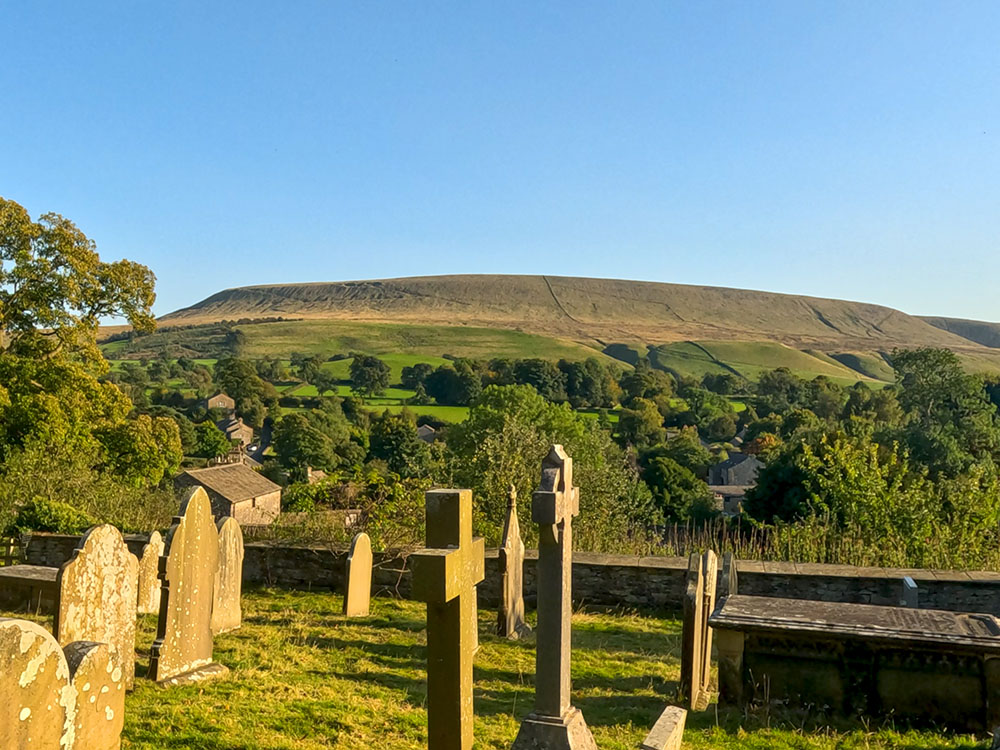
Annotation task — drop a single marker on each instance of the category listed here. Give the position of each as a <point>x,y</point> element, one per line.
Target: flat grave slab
<point>28,588</point>
<point>924,666</point>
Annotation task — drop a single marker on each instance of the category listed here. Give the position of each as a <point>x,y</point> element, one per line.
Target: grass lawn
<point>305,678</point>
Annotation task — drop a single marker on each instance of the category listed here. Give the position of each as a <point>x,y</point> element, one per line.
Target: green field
<point>749,359</point>
<point>303,677</point>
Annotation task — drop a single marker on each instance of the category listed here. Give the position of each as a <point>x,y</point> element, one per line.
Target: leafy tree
<point>324,382</point>
<point>950,421</point>
<point>300,445</point>
<point>641,424</point>
<point>394,440</point>
<point>508,432</point>
<point>725,383</point>
<point>589,383</point>
<point>779,390</point>
<point>210,441</point>
<point>721,429</point>
<point>645,382</point>
<point>369,375</point>
<point>686,449</point>
<point>416,375</point>
<point>306,367</point>
<point>454,386</point>
<point>678,493</point>
<point>544,376</point>
<point>54,288</point>
<point>254,397</point>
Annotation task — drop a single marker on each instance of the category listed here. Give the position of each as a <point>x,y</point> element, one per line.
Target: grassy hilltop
<point>688,330</point>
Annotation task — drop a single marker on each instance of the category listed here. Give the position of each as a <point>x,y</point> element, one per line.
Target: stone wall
<point>607,580</point>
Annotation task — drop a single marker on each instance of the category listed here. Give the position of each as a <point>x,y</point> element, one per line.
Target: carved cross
<point>553,506</point>
<point>445,576</point>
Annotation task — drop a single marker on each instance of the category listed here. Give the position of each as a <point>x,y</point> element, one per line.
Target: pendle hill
<point>690,330</point>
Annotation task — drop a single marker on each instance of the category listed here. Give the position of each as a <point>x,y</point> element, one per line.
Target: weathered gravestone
<point>97,596</point>
<point>728,580</point>
<point>668,731</point>
<point>696,641</point>
<point>182,651</point>
<point>445,575</point>
<point>510,618</point>
<point>861,660</point>
<point>227,612</point>
<point>555,723</point>
<point>910,593</point>
<point>358,577</point>
<point>149,575</point>
<point>38,706</point>
<point>100,696</point>
<point>56,700</point>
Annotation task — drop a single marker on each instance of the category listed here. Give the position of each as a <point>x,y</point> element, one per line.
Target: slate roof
<point>234,482</point>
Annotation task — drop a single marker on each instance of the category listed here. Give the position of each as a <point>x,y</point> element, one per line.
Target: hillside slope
<point>976,331</point>
<point>587,310</point>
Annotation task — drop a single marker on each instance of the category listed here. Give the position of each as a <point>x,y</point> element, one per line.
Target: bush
<point>40,514</point>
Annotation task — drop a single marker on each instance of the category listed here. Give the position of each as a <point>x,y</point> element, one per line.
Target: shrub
<point>40,514</point>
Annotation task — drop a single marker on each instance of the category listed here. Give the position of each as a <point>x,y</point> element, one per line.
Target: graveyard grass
<point>305,677</point>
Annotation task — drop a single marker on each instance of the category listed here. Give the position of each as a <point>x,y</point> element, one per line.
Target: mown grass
<point>305,678</point>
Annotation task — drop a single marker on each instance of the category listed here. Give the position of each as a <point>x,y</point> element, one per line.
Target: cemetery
<point>172,640</point>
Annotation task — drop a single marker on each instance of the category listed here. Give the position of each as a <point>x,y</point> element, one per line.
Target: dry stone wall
<point>607,580</point>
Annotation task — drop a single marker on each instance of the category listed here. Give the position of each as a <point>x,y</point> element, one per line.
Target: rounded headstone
<point>149,575</point>
<point>100,695</point>
<point>227,613</point>
<point>37,700</point>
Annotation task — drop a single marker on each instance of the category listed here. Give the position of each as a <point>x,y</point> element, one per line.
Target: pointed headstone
<point>555,723</point>
<point>445,575</point>
<point>97,596</point>
<point>358,577</point>
<point>182,651</point>
<point>227,612</point>
<point>38,706</point>
<point>510,619</point>
<point>100,696</point>
<point>149,575</point>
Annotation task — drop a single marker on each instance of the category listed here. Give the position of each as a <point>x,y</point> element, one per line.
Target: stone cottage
<point>236,490</point>
<point>220,401</point>
<point>236,430</point>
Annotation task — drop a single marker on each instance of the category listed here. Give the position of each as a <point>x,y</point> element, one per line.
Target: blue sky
<point>847,150</point>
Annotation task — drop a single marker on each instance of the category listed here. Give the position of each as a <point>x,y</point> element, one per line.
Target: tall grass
<point>818,540</point>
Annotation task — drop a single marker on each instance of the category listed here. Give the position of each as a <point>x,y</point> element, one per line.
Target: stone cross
<point>182,651</point>
<point>149,575</point>
<point>227,611</point>
<point>445,575</point>
<point>510,618</point>
<point>97,596</point>
<point>555,724</point>
<point>358,577</point>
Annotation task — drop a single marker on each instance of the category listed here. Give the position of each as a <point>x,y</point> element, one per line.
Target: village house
<point>220,401</point>
<point>426,433</point>
<point>730,481</point>
<point>236,490</point>
<point>236,430</point>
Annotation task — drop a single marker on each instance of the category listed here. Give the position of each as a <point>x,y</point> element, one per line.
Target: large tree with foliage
<point>54,291</point>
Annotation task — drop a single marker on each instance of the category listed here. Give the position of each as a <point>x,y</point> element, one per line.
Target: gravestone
<point>445,575</point>
<point>182,651</point>
<point>728,580</point>
<point>38,706</point>
<point>696,640</point>
<point>555,724</point>
<point>97,596</point>
<point>861,660</point>
<point>691,633</point>
<point>227,613</point>
<point>510,618</point>
<point>910,593</point>
<point>668,731</point>
<point>100,696</point>
<point>149,575</point>
<point>709,577</point>
<point>358,578</point>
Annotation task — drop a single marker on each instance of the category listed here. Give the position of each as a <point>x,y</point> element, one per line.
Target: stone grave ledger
<point>98,594</point>
<point>921,666</point>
